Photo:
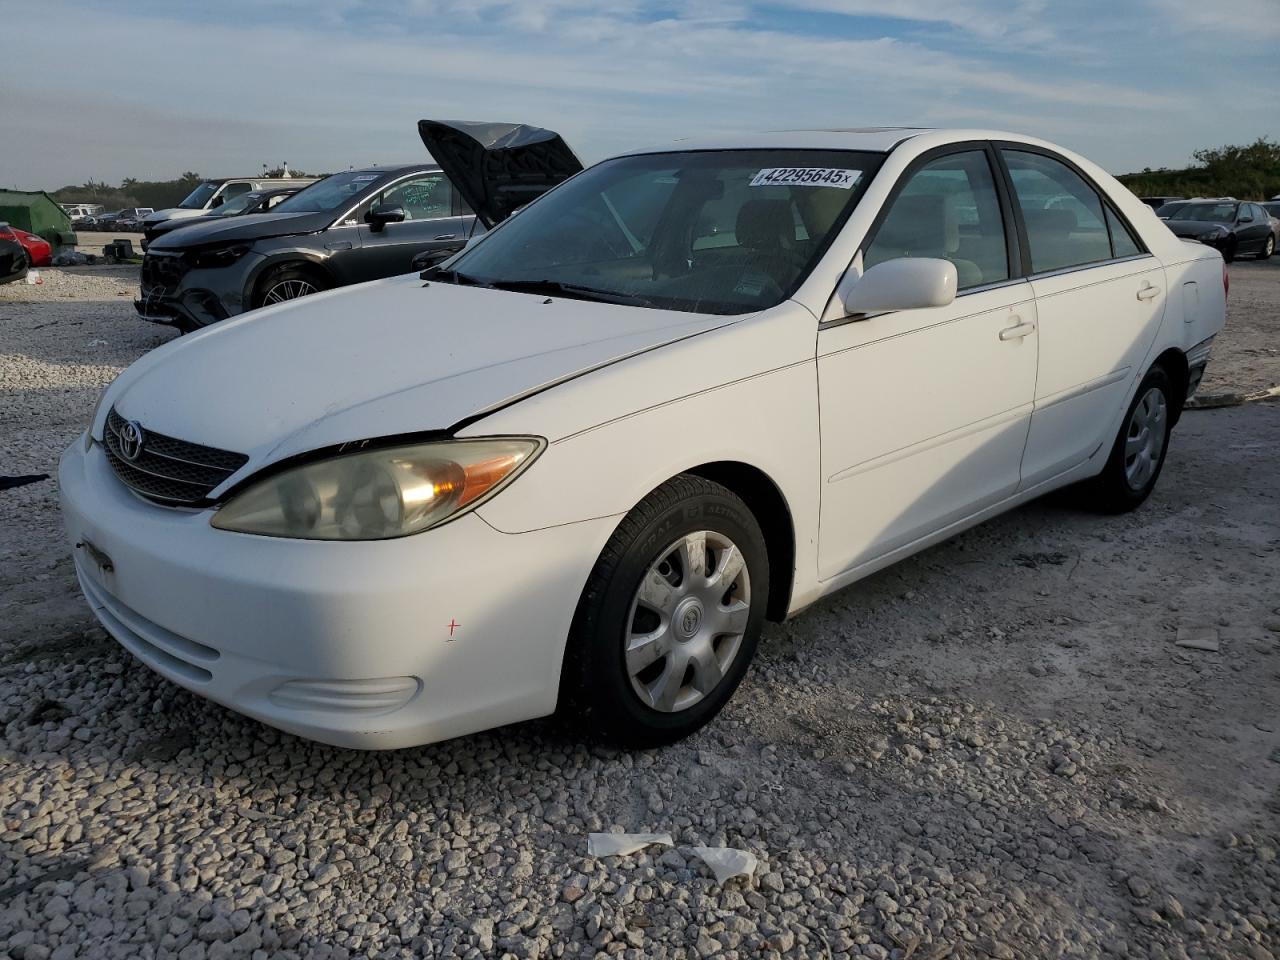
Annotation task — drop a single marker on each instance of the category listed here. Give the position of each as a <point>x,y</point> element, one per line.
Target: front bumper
<point>346,643</point>
<point>172,292</point>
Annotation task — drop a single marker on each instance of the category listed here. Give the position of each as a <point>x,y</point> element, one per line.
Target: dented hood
<point>382,359</point>
<point>498,167</point>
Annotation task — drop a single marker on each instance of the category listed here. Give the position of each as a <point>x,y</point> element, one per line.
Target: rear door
<point>1100,296</point>
<point>431,224</point>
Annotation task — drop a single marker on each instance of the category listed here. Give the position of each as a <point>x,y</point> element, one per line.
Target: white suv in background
<point>212,194</point>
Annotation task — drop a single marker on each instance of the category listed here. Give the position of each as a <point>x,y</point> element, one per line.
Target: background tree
<point>1246,171</point>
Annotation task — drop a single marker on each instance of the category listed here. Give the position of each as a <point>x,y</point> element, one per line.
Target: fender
<point>288,255</point>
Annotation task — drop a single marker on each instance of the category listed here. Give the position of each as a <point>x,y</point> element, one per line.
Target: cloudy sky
<point>151,88</point>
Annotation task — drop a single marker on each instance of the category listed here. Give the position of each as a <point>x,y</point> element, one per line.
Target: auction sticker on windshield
<point>806,177</point>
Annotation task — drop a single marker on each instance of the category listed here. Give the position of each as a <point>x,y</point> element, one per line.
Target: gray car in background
<point>352,226</point>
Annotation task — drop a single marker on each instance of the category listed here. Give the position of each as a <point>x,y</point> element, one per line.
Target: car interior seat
<point>924,225</point>
<point>766,229</point>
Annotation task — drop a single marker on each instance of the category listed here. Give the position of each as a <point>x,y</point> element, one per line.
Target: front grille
<point>162,274</point>
<point>169,470</point>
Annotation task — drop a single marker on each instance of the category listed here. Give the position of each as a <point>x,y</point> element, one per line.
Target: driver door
<point>431,223</point>
<point>924,413</point>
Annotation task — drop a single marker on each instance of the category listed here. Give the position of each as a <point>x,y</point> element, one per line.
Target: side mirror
<point>908,283</point>
<point>383,214</point>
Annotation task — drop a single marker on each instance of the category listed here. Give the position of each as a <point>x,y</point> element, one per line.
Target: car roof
<point>877,139</point>
<point>392,168</point>
<point>870,139</point>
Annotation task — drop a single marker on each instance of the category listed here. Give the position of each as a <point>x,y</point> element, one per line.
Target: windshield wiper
<point>547,287</point>
<point>452,276</point>
<point>578,292</point>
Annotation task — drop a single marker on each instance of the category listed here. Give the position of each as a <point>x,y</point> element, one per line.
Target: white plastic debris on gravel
<point>727,862</point>
<point>621,844</point>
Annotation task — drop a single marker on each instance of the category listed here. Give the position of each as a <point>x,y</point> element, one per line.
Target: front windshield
<point>1209,212</point>
<point>724,231</point>
<point>328,194</point>
<point>200,196</point>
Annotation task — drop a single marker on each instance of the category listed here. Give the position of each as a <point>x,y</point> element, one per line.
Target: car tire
<point>1268,248</point>
<point>289,282</point>
<point>1138,453</point>
<point>656,650</point>
<point>1229,251</point>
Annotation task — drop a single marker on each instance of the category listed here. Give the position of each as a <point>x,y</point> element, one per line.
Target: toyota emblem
<point>131,438</point>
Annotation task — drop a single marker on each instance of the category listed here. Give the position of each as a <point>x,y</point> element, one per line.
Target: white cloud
<point>273,80</point>
<point>1254,21</point>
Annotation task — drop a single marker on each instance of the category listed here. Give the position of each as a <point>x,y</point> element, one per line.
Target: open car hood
<point>498,167</point>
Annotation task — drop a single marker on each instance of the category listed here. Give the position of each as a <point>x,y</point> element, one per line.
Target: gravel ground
<point>994,749</point>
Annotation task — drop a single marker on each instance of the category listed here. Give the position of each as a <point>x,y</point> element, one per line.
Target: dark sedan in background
<point>1232,227</point>
<point>247,204</point>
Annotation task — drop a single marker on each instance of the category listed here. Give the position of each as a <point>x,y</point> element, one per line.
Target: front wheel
<point>1137,456</point>
<point>670,617</point>
<point>288,283</point>
<point>1229,251</point>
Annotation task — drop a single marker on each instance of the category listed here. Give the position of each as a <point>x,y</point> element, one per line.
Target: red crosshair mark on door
<point>453,625</point>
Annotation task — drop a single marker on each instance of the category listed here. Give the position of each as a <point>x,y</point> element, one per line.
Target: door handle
<point>1149,291</point>
<point>1017,331</point>
<point>447,236</point>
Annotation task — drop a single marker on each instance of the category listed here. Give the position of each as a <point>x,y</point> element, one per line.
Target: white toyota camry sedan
<point>681,391</point>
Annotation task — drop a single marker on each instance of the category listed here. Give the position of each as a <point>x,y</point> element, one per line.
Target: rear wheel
<point>289,283</point>
<point>670,617</point>
<point>1137,456</point>
<point>1268,248</point>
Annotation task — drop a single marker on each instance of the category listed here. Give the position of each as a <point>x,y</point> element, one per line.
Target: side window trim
<point>999,147</point>
<point>1014,254</point>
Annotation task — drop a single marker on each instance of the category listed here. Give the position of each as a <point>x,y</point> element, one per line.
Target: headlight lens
<point>93,418</point>
<point>220,257</point>
<point>379,494</point>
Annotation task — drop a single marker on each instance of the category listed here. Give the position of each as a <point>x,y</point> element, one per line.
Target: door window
<point>233,190</point>
<point>1063,214</point>
<point>422,198</point>
<point>1122,242</point>
<point>949,209</point>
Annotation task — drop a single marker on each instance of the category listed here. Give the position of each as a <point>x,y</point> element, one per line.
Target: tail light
<point>1226,282</point>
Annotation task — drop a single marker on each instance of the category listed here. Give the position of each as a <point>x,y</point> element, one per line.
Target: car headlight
<point>379,494</point>
<point>220,256</point>
<point>93,418</point>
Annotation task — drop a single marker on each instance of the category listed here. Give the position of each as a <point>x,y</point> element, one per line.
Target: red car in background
<point>39,250</point>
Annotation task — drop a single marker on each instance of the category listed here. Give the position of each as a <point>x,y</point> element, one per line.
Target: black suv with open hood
<point>354,226</point>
